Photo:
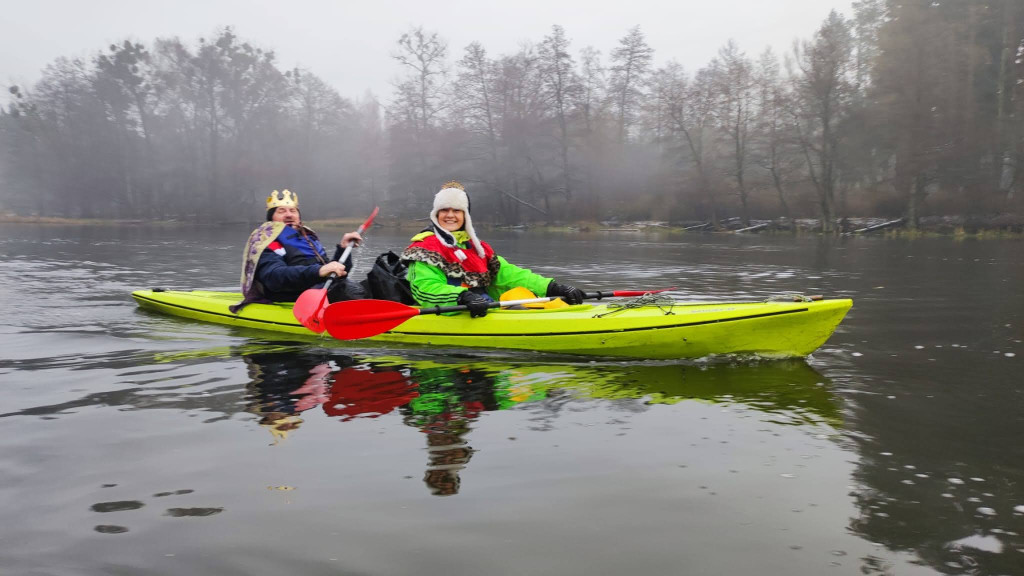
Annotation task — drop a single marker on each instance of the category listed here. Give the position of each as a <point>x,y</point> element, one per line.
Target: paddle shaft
<point>355,319</point>
<point>348,249</point>
<point>342,258</point>
<point>345,254</point>
<point>586,296</point>
<point>462,307</point>
<point>621,293</point>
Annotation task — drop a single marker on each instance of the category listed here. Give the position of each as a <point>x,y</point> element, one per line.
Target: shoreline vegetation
<point>993,226</point>
<point>900,108</point>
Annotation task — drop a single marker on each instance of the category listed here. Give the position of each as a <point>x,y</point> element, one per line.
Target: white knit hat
<point>454,196</point>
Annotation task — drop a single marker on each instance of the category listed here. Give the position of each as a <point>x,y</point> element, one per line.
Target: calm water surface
<point>132,443</point>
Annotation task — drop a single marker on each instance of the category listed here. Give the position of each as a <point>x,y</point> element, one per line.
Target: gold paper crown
<point>285,198</point>
<point>453,184</point>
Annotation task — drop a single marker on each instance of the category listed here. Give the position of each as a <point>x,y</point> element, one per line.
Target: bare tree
<point>734,81</point>
<point>868,17</point>
<point>592,87</point>
<point>561,85</point>
<point>371,150</point>
<point>319,111</point>
<point>690,106</point>
<point>523,117</point>
<point>1009,92</point>
<point>588,107</point>
<point>631,63</point>
<point>774,140</point>
<point>476,98</point>
<point>423,54</point>
<point>123,83</point>
<point>479,110</point>
<point>910,105</point>
<point>822,87</point>
<point>418,103</point>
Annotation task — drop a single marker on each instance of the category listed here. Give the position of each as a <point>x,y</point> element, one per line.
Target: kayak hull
<point>683,330</point>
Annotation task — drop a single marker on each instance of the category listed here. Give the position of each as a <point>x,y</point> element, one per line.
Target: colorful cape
<point>475,272</point>
<point>258,241</point>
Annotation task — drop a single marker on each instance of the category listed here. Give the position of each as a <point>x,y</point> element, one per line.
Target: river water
<point>132,443</point>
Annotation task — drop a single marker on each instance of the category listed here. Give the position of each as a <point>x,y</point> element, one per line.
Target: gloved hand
<point>571,294</point>
<point>476,303</point>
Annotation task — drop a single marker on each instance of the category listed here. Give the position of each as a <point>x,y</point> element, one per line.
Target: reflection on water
<point>117,506</point>
<point>127,505</point>
<point>194,512</point>
<point>955,518</point>
<point>444,400</point>
<point>894,450</point>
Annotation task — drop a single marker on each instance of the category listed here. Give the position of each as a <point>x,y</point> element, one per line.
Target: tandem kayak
<point>680,330</point>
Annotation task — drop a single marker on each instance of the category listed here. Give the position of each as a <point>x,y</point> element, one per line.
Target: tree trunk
<point>777,182</point>
<point>912,207</point>
<point>1007,164</point>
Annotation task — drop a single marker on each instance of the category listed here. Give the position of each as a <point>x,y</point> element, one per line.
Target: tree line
<point>904,108</point>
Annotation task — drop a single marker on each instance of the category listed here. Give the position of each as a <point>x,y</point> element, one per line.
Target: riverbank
<point>994,226</point>
<point>999,226</point>
<point>102,222</point>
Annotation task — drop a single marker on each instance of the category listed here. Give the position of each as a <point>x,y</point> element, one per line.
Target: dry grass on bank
<point>1004,226</point>
<point>62,221</point>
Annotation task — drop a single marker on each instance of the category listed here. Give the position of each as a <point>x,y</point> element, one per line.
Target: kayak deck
<point>683,330</point>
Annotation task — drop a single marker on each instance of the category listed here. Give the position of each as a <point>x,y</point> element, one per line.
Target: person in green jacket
<point>449,265</point>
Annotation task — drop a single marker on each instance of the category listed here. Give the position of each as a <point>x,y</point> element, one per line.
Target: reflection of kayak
<point>422,389</point>
<point>684,330</point>
<point>791,389</point>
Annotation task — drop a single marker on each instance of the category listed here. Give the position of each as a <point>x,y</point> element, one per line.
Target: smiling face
<point>451,219</point>
<point>287,214</point>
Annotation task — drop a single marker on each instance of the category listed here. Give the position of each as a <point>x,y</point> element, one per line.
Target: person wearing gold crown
<point>283,258</point>
<point>449,265</point>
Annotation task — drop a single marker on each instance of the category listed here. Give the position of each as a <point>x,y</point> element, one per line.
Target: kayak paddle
<point>355,319</point>
<point>309,306</point>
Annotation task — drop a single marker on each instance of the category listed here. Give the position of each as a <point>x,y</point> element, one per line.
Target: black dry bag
<point>386,280</point>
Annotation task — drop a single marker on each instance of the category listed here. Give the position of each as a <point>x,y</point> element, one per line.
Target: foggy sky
<point>349,43</point>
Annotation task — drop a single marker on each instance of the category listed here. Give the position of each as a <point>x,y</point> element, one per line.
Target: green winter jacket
<point>430,285</point>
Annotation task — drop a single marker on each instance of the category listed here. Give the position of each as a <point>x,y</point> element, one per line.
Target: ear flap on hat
<point>472,235</point>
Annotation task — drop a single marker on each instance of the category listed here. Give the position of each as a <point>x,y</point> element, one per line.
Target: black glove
<point>476,303</point>
<point>571,294</point>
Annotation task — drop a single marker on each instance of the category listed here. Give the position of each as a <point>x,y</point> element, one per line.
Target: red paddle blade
<point>356,319</point>
<point>309,309</point>
<point>369,221</point>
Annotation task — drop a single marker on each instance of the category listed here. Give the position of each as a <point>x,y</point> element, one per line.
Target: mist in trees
<point>904,109</point>
<point>198,132</point>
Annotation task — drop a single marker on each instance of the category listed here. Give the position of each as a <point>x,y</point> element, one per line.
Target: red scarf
<point>471,261</point>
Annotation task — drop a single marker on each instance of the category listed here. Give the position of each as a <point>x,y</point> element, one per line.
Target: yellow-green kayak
<point>680,330</point>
